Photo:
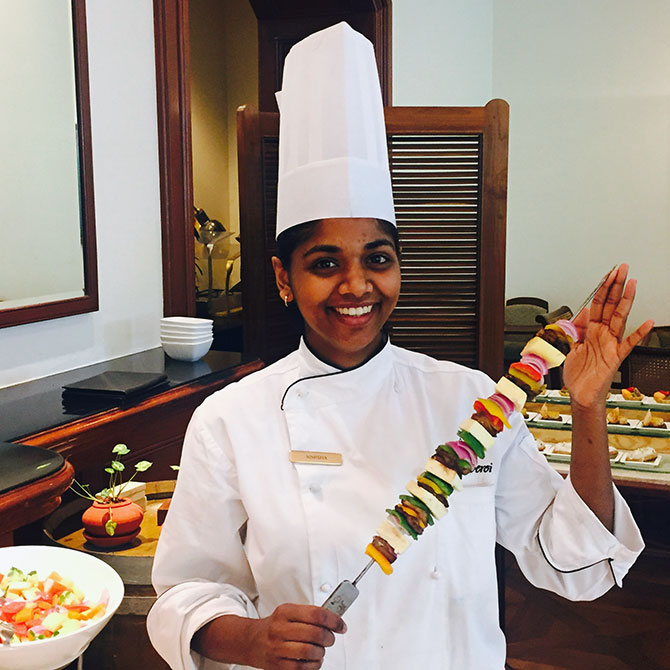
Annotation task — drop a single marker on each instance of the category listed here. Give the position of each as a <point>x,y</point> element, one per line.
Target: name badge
<point>316,457</point>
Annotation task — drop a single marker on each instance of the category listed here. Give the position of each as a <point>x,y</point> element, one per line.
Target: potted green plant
<point>112,519</point>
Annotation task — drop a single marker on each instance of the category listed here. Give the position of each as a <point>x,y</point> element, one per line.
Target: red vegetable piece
<point>495,421</point>
<point>528,370</point>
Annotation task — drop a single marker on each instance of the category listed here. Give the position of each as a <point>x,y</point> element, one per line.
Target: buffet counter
<point>549,420</point>
<point>152,425</point>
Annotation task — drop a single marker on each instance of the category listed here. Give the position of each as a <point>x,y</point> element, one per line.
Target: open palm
<point>591,365</point>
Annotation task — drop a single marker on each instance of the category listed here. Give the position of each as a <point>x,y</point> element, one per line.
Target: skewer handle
<point>340,600</point>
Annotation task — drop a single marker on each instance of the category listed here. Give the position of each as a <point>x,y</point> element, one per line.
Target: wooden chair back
<point>449,174</point>
<point>648,368</point>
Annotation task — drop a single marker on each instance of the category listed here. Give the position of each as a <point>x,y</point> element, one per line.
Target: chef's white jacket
<point>307,525</point>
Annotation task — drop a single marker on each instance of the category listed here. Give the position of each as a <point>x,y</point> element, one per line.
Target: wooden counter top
<point>153,428</point>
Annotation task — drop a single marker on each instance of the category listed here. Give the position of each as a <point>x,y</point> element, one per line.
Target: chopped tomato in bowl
<point>53,617</point>
<point>38,609</point>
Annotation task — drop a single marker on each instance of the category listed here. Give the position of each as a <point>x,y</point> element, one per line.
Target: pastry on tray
<point>631,393</point>
<point>641,455</point>
<point>614,417</point>
<point>651,421</point>
<point>564,448</point>
<point>547,414</point>
<point>662,397</point>
<point>564,392</point>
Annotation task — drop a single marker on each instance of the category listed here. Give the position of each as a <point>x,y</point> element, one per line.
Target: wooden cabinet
<point>153,429</point>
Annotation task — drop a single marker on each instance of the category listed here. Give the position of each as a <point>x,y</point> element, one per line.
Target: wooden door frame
<point>171,31</point>
<point>175,156</point>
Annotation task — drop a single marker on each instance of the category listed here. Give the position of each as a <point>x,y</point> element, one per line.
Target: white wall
<point>442,51</point>
<point>125,165</point>
<point>589,165</point>
<point>589,88</point>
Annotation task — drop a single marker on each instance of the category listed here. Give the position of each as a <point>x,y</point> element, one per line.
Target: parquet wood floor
<point>626,629</point>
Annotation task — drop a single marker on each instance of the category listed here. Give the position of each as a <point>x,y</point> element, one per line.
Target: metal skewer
<point>363,571</point>
<point>595,290</point>
<point>344,595</point>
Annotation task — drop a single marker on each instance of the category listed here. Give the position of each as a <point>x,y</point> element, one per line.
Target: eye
<point>379,258</point>
<point>324,264</point>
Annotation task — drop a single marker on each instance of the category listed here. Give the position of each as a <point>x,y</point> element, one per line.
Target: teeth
<point>354,311</point>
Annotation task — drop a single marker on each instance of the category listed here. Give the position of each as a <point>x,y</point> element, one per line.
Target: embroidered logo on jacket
<point>484,468</point>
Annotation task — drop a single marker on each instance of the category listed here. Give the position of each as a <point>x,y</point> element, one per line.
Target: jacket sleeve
<point>200,571</point>
<point>559,543</point>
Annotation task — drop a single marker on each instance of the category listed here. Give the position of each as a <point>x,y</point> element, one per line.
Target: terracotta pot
<point>127,515</point>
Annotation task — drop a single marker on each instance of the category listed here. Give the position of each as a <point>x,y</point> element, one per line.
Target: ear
<point>282,280</point>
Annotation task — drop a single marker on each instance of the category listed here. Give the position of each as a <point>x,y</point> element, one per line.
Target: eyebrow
<point>332,249</point>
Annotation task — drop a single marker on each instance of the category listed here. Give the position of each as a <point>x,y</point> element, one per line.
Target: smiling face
<point>346,280</point>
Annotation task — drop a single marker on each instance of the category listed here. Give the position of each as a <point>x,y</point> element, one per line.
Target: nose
<point>355,281</point>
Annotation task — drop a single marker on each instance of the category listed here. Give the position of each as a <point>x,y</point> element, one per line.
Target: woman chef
<point>259,534</point>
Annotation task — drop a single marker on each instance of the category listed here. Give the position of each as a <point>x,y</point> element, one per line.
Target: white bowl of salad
<point>56,600</point>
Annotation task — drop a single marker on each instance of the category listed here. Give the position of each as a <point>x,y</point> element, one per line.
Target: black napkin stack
<point>111,389</point>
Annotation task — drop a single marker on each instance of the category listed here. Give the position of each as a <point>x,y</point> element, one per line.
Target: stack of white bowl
<point>186,338</point>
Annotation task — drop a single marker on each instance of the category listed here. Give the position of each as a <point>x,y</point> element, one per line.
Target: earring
<point>286,300</point>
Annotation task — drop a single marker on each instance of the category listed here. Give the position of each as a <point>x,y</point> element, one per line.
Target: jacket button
<point>326,588</point>
<point>315,488</point>
<point>435,574</point>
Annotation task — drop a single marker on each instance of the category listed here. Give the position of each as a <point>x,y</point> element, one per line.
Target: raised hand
<point>295,637</point>
<point>591,365</point>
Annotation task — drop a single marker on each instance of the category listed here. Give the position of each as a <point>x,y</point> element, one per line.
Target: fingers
<point>298,636</point>
<point>634,338</point>
<point>297,651</point>
<point>613,301</point>
<point>619,317</point>
<point>316,616</point>
<point>581,321</point>
<point>598,302</point>
<point>615,293</point>
<point>310,634</point>
<point>291,664</point>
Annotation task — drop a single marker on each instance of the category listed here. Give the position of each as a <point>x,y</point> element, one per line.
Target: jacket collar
<point>326,384</point>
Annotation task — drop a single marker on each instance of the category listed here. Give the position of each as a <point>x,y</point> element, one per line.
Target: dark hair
<point>293,237</point>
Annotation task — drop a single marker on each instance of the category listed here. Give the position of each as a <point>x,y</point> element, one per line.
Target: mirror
<point>47,235</point>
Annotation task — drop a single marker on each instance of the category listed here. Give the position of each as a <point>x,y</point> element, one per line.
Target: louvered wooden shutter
<point>436,190</point>
<point>449,174</point>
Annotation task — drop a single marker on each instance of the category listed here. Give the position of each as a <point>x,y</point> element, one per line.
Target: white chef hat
<point>333,160</point>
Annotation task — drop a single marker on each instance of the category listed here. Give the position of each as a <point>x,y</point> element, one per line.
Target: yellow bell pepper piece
<point>433,485</point>
<point>494,409</point>
<point>553,326</point>
<point>531,383</point>
<point>378,557</point>
<point>411,512</point>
